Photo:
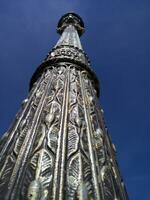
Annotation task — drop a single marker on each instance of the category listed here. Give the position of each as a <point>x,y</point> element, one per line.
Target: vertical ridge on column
<point>90,145</point>
<point>59,170</point>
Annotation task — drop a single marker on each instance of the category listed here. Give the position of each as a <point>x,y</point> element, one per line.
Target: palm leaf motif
<point>87,175</point>
<point>40,169</point>
<point>107,182</point>
<point>72,176</point>
<point>23,128</point>
<point>73,139</point>
<point>5,173</point>
<point>78,172</point>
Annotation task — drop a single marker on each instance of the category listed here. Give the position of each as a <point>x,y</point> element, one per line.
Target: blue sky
<point>117,40</point>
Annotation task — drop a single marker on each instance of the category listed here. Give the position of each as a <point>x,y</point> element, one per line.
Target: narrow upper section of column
<point>71,27</point>
<point>69,37</point>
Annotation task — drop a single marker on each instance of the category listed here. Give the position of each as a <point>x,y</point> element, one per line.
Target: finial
<point>71,18</point>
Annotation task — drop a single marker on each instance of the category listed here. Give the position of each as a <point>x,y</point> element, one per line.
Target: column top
<point>71,18</point>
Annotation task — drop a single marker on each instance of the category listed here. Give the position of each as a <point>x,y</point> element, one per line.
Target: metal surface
<point>58,147</point>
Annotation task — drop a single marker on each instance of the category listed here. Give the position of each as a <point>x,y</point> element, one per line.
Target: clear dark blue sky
<point>117,40</point>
